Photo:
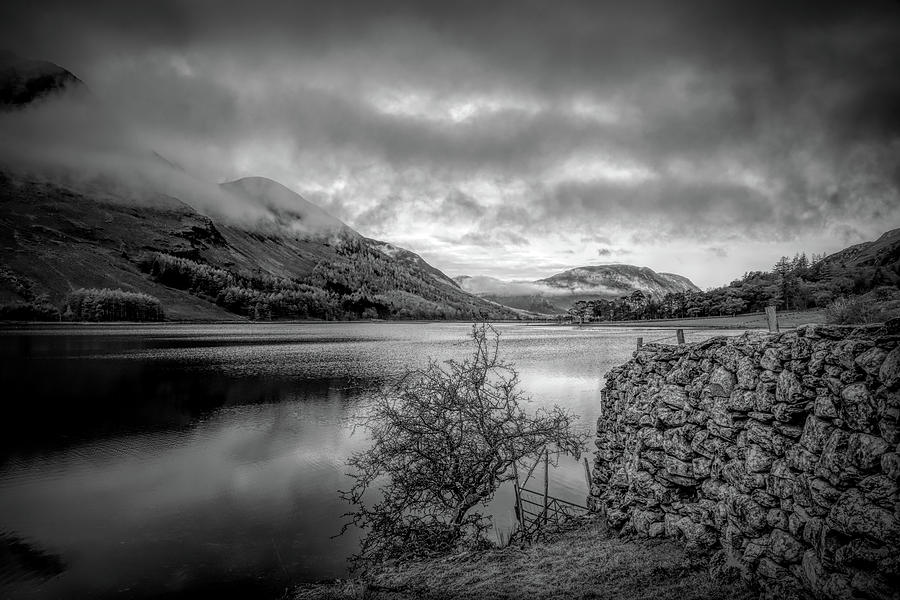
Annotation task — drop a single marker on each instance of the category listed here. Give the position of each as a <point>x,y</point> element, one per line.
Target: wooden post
<point>546,482</point>
<point>520,516</point>
<point>640,343</point>
<point>772,317</point>
<point>679,333</point>
<point>587,474</point>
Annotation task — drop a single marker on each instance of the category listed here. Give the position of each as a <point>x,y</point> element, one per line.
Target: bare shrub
<point>856,310</point>
<point>444,438</point>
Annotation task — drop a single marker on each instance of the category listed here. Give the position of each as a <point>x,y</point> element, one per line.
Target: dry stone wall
<point>781,449</point>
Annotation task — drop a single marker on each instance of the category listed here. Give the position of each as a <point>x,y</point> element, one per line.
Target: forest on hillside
<point>358,282</point>
<point>798,283</point>
<point>112,305</point>
<point>87,304</point>
<point>363,283</point>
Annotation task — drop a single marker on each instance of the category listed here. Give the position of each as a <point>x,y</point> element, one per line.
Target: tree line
<point>87,305</point>
<point>112,305</point>
<point>798,283</point>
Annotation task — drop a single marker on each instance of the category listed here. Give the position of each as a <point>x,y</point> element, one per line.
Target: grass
<point>581,562</point>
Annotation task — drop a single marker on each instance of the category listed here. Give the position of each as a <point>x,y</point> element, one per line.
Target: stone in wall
<point>779,449</point>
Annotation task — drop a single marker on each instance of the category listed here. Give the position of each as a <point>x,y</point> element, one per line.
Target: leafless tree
<point>444,438</point>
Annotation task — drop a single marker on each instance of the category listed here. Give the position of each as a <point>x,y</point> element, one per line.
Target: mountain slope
<point>559,292</point>
<point>54,240</point>
<point>288,212</point>
<point>883,252</point>
<point>23,80</point>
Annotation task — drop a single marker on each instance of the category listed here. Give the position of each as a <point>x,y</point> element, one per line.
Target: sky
<point>517,139</point>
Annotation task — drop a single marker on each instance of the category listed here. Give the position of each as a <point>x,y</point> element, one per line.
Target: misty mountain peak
<point>558,292</point>
<point>286,208</point>
<point>24,80</point>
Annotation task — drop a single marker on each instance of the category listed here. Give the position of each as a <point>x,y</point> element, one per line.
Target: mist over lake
<point>189,459</point>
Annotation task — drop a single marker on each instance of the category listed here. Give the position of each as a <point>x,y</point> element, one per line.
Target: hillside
<point>288,212</point>
<point>558,293</point>
<point>54,241</point>
<point>302,264</point>
<point>23,80</point>
<point>883,252</point>
<point>858,284</point>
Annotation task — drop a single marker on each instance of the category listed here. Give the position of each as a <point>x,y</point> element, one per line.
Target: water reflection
<point>246,493</point>
<point>167,460</point>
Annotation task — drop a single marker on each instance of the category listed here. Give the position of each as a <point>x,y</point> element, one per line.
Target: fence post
<point>587,475</point>
<point>640,343</point>
<point>679,333</point>
<point>546,482</point>
<point>772,317</point>
<point>519,514</point>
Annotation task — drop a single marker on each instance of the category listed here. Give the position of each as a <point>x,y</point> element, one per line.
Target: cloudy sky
<point>517,139</point>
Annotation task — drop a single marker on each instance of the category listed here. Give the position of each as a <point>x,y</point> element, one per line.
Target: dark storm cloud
<point>727,120</point>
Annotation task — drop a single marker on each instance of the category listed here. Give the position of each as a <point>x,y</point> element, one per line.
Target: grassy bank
<point>786,320</point>
<point>581,562</point>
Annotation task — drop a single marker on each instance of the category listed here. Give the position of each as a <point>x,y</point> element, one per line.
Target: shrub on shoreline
<point>444,439</point>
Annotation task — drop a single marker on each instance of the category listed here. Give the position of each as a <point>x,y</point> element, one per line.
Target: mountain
<point>883,252</point>
<point>24,80</point>
<point>559,292</point>
<point>618,280</point>
<point>54,240</point>
<point>289,212</point>
<point>91,210</point>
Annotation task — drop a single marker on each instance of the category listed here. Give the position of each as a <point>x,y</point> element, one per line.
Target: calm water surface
<point>191,460</point>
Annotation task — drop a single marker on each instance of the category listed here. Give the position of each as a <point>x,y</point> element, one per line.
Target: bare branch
<point>444,438</point>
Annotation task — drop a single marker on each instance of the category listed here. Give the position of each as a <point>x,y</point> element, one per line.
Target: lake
<point>188,460</point>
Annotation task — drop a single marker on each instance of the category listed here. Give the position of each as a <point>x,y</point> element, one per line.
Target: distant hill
<point>136,221</point>
<point>557,293</point>
<point>859,284</point>
<point>617,280</point>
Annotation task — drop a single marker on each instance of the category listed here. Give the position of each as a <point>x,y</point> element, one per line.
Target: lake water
<point>190,460</point>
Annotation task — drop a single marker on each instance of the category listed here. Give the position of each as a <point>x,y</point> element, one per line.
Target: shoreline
<point>581,559</point>
<point>787,320</point>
